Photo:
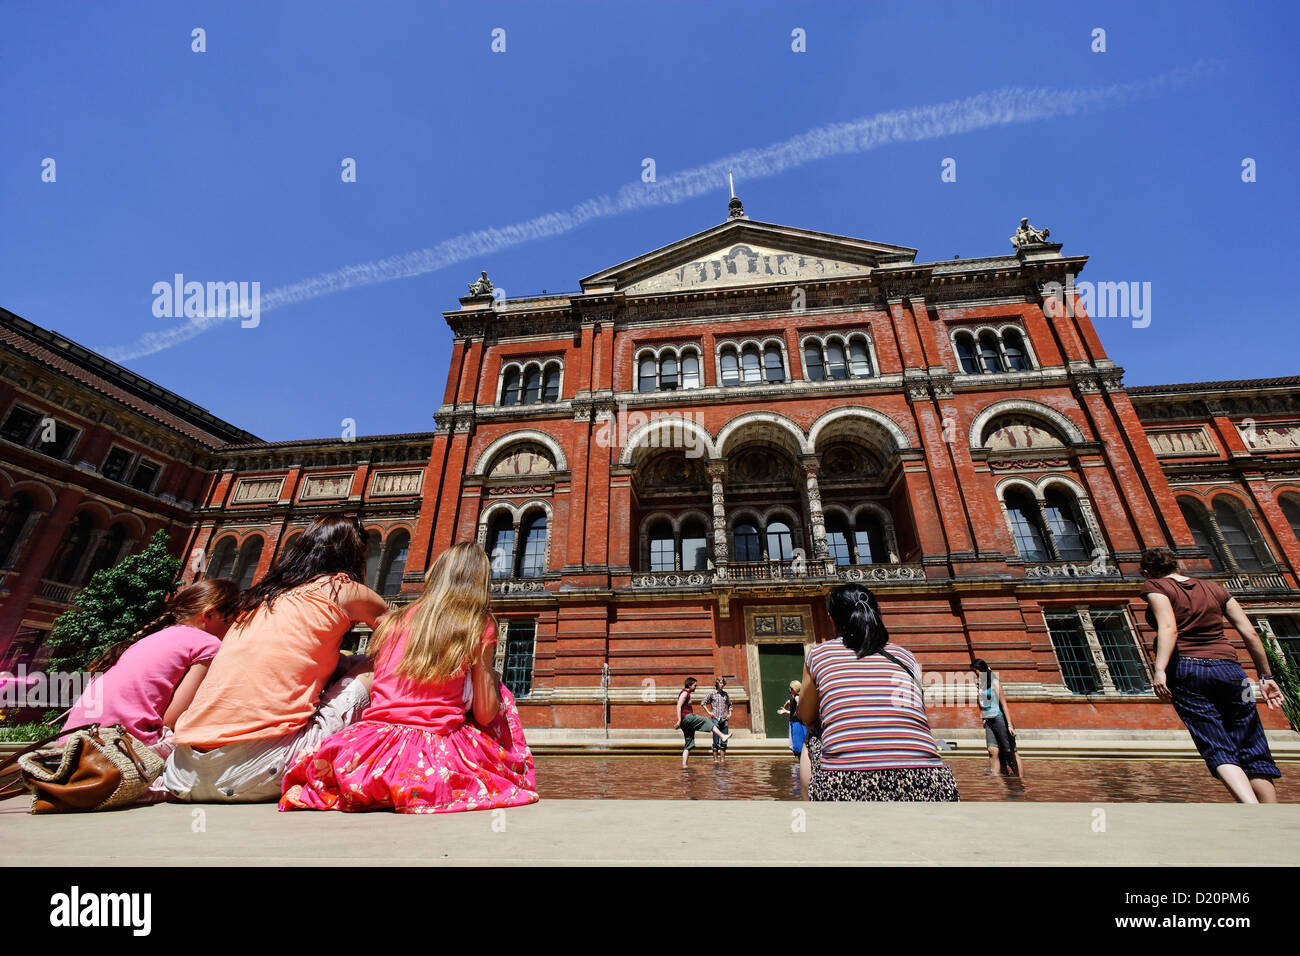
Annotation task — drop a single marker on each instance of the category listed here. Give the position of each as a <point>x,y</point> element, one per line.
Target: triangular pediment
<point>742,252</point>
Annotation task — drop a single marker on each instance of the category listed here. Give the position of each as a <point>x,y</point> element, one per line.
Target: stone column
<point>20,544</point>
<point>717,472</point>
<point>92,547</point>
<point>816,520</point>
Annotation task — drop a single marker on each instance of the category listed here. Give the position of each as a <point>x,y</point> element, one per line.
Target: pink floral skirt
<point>371,765</point>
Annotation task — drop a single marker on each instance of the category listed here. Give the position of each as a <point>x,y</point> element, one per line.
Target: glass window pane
<point>749,362</point>
<point>1023,512</point>
<point>19,425</point>
<point>517,670</point>
<point>374,550</point>
<point>249,555</point>
<point>780,543</point>
<point>966,355</point>
<point>1120,649</point>
<point>1195,517</point>
<point>990,353</point>
<point>398,545</point>
<point>870,542</point>
<point>533,386</point>
<point>859,360</point>
<point>837,539</point>
<point>1233,522</point>
<point>115,464</point>
<point>814,367</point>
<point>662,548</point>
<point>1291,510</point>
<point>1062,517</point>
<point>668,373</point>
<point>690,371</point>
<point>773,367</point>
<point>647,381</point>
<point>746,543</point>
<point>730,368</point>
<point>532,557</point>
<point>695,548</point>
<point>510,394</point>
<point>552,391</point>
<point>836,367</point>
<point>1072,652</point>
<point>501,546</point>
<point>1015,348</point>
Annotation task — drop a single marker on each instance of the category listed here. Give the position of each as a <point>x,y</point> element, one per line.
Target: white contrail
<point>985,110</point>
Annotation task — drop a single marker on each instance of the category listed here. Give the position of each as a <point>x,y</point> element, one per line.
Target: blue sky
<point>225,166</point>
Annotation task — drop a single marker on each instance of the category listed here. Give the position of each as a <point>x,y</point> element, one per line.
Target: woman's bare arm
<point>809,699</point>
<point>183,696</point>
<point>1166,635</point>
<point>1255,647</point>
<point>487,697</point>
<point>360,603</point>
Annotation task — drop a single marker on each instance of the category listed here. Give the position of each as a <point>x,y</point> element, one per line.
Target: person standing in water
<point>999,732</point>
<point>689,722</point>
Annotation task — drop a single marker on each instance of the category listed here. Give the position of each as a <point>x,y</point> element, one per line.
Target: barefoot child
<point>689,722</point>
<point>441,733</point>
<point>147,681</point>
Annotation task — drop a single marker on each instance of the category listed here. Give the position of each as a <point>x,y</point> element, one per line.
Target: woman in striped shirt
<point>875,741</point>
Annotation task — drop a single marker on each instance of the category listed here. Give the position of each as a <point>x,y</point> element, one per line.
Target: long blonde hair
<point>446,622</point>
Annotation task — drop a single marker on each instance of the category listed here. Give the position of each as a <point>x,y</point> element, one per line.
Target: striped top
<point>872,713</point>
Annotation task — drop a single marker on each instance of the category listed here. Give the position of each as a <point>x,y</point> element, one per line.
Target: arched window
<point>668,373</point>
<point>501,545</point>
<point>532,385</point>
<point>966,353</point>
<point>780,542</point>
<point>12,521</point>
<point>532,550</point>
<point>746,543</point>
<point>1064,520</point>
<point>646,381</point>
<point>859,359</point>
<point>695,547</point>
<point>1026,526</point>
<point>71,549</point>
<point>991,353</point>
<point>773,366</point>
<point>222,561</point>
<point>813,363</point>
<point>690,370</point>
<point>749,362</point>
<point>1240,534</point>
<point>374,551</point>
<point>1197,520</point>
<point>662,547</point>
<point>837,539</point>
<point>107,553</point>
<point>1290,509</point>
<point>730,367</point>
<point>1017,358</point>
<point>869,541</point>
<point>246,565</point>
<point>510,391</point>
<point>395,551</point>
<point>551,390</point>
<point>836,368</point>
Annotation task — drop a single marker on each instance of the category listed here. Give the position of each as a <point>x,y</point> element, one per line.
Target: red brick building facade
<point>672,466</point>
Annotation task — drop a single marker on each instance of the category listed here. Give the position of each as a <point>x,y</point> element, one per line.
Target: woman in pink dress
<point>441,734</point>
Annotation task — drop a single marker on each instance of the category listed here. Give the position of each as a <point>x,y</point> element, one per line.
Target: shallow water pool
<point>776,778</point>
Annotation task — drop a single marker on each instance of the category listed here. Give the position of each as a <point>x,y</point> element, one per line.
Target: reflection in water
<point>777,778</point>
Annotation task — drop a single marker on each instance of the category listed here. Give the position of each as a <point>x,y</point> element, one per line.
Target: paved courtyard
<point>638,832</point>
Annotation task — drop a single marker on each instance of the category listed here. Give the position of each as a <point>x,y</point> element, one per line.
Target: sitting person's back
<point>872,712</point>
<point>272,667</point>
<point>875,741</point>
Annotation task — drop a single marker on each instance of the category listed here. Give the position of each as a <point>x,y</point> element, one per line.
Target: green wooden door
<point>778,664</point>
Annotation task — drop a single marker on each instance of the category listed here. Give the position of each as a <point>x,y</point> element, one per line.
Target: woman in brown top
<point>1196,667</point>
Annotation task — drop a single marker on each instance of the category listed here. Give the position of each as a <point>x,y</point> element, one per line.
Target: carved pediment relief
<point>1019,433</point>
<point>526,458</point>
<point>746,264</point>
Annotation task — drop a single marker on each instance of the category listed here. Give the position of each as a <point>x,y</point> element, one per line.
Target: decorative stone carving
<point>1027,235</point>
<point>1019,433</point>
<point>1068,569</point>
<point>883,572</point>
<point>1187,441</point>
<point>255,490</point>
<point>744,265</point>
<point>1026,464</point>
<point>1273,436</point>
<point>317,487</point>
<point>671,579</point>
<point>517,587</point>
<point>483,285</point>
<point>525,458</point>
<point>395,483</point>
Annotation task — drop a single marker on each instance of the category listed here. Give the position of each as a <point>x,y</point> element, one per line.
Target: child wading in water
<point>441,733</point>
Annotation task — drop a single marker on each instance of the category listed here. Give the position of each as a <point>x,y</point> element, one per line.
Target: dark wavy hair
<point>856,614</point>
<point>1157,562</point>
<point>331,545</point>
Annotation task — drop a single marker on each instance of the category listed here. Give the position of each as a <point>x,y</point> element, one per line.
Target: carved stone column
<point>24,536</point>
<point>816,520</point>
<point>92,547</point>
<point>717,472</point>
<point>127,546</point>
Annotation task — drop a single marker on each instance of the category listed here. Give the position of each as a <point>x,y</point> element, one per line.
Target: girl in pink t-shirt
<point>442,733</point>
<point>145,682</point>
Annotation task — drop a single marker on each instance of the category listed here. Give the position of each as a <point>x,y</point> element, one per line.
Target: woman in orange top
<point>279,684</point>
